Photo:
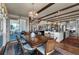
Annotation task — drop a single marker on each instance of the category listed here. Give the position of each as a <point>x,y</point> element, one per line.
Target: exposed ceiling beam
<point>68,19</point>
<point>47,6</point>
<point>62,14</point>
<point>60,10</point>
<point>44,8</point>
<point>65,17</point>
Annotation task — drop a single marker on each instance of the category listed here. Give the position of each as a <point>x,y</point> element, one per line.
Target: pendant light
<point>33,13</point>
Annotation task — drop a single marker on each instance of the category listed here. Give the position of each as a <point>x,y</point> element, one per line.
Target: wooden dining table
<point>38,40</point>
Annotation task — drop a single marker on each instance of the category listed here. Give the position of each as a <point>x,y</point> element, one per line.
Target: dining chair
<point>47,48</point>
<point>41,49</point>
<point>50,46</point>
<point>26,48</point>
<point>22,38</point>
<point>19,44</point>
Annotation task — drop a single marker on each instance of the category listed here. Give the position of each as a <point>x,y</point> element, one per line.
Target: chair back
<point>50,46</point>
<point>20,44</point>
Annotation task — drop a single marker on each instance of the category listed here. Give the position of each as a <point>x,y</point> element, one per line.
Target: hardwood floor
<point>73,41</point>
<point>68,48</point>
<point>70,44</point>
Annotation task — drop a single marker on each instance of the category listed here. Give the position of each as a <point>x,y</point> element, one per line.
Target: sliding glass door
<point>16,27</point>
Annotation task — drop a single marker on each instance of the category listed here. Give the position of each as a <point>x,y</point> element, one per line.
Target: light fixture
<point>54,23</point>
<point>33,13</point>
<point>59,23</point>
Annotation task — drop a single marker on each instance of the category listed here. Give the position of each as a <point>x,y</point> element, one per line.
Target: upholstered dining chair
<point>23,39</point>
<point>19,44</point>
<point>41,49</point>
<point>47,48</point>
<point>26,48</point>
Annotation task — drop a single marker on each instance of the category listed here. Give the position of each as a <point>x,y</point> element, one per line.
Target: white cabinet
<point>52,34</point>
<point>59,36</point>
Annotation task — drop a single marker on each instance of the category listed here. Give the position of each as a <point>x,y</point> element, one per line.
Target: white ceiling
<point>55,7</point>
<point>22,9</point>
<point>65,11</point>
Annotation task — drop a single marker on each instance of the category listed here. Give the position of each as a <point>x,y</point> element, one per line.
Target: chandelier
<point>33,13</point>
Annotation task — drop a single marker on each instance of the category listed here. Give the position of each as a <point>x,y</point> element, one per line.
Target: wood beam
<point>69,18</point>
<point>60,10</point>
<point>62,14</point>
<point>66,17</point>
<point>44,8</point>
<point>47,6</point>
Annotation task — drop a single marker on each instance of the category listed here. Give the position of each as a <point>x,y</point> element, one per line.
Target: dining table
<point>36,41</point>
<point>39,40</point>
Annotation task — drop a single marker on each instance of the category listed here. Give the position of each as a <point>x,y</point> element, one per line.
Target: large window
<point>16,26</point>
<point>1,32</point>
<point>72,27</point>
